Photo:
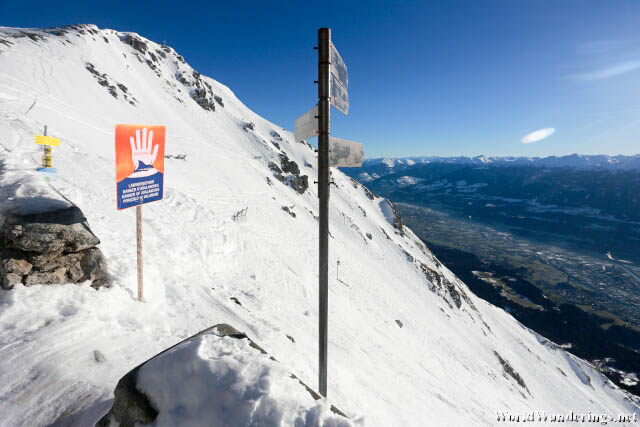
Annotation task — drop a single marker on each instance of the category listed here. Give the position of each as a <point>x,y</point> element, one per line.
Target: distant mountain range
<point>375,168</point>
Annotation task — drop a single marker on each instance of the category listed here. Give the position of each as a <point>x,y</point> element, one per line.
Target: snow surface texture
<point>455,361</point>
<point>223,381</point>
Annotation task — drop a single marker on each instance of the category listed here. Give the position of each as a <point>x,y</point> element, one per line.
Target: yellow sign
<point>47,140</point>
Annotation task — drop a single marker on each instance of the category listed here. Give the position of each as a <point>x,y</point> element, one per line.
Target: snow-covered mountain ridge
<point>408,343</point>
<point>579,161</point>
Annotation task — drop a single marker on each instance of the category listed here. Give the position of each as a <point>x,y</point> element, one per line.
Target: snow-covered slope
<point>454,361</point>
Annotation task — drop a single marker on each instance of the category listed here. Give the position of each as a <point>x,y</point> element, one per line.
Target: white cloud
<point>611,71</point>
<point>537,135</point>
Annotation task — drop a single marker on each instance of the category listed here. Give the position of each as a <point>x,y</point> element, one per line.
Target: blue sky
<point>425,78</point>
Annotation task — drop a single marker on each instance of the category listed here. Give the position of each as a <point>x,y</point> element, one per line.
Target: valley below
<point>584,300</point>
<point>553,241</point>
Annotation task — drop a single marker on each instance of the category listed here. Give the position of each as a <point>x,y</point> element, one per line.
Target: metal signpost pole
<point>324,41</point>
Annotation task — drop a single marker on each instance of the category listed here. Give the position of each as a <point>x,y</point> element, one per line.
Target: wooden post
<point>139,239</point>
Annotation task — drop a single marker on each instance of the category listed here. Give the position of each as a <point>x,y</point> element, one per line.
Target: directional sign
<point>306,125</point>
<point>47,140</point>
<point>338,67</point>
<point>339,96</point>
<point>339,81</point>
<point>139,164</point>
<point>345,153</point>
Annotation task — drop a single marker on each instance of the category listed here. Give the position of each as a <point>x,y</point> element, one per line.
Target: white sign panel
<point>338,67</point>
<point>339,96</point>
<point>345,153</point>
<point>339,81</point>
<point>306,125</point>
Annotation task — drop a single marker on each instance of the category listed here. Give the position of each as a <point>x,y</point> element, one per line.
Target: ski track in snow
<point>438,369</point>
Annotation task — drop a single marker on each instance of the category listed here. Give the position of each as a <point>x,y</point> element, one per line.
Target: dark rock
<point>57,275</point>
<point>407,255</point>
<point>64,230</point>
<point>399,323</point>
<point>369,236</point>
<point>130,405</point>
<point>300,183</point>
<point>432,276</point>
<point>249,126</point>
<point>398,223</point>
<point>13,261</point>
<point>89,66</point>
<point>201,96</point>
<point>51,261</point>
<point>289,166</point>
<point>180,77</point>
<point>135,43</point>
<point>99,357</point>
<point>369,194</point>
<point>73,267</point>
<point>275,144</point>
<point>291,339</point>
<point>35,37</point>
<point>453,293</point>
<point>278,176</point>
<point>236,300</point>
<point>106,40</point>
<point>50,248</point>
<point>94,267</point>
<point>276,135</point>
<point>289,211</point>
<point>509,371</point>
<point>274,167</point>
<point>218,100</point>
<point>9,280</point>
<point>385,233</point>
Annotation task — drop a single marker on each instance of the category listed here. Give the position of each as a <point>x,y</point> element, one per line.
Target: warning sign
<point>139,164</point>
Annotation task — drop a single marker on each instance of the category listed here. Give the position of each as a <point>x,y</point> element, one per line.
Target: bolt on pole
<point>324,40</point>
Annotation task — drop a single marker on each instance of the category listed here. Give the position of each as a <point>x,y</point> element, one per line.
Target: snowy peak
<point>578,161</point>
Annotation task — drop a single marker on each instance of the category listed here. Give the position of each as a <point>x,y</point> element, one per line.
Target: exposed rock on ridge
<point>50,247</point>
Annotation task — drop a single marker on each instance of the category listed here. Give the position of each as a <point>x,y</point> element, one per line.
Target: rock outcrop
<point>133,407</point>
<point>300,183</point>
<point>50,248</point>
